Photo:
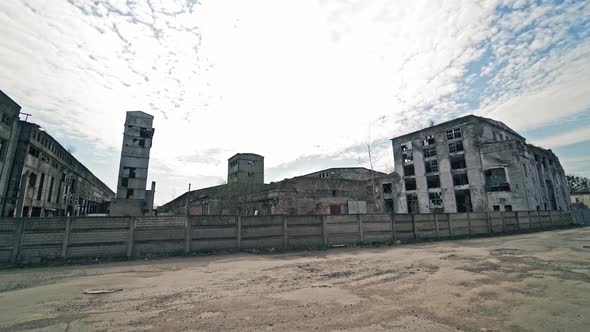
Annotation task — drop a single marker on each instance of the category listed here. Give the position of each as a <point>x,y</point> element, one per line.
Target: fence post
<point>540,220</point>
<point>517,221</point>
<point>414,226</point>
<point>18,240</point>
<point>450,226</point>
<point>239,231</point>
<point>187,236</point>
<point>360,222</point>
<point>67,230</point>
<point>550,220</point>
<point>285,235</point>
<point>436,225</point>
<point>130,243</point>
<point>530,220</point>
<point>324,230</point>
<point>469,223</point>
<point>490,230</point>
<point>394,236</point>
<point>503,222</point>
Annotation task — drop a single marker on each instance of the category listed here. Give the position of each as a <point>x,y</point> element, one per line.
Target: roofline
<point>251,154</point>
<point>353,167</point>
<point>460,118</point>
<point>144,114</point>
<point>11,100</point>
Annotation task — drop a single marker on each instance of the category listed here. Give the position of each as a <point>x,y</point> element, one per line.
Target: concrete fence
<point>581,216</point>
<point>36,240</point>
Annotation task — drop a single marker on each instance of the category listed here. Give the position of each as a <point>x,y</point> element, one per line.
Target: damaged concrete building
<point>474,164</point>
<point>331,191</point>
<point>38,176</point>
<point>133,199</point>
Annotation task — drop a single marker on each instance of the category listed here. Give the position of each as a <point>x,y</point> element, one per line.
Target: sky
<point>308,84</point>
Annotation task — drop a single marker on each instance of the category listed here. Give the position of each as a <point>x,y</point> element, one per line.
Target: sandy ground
<point>530,282</point>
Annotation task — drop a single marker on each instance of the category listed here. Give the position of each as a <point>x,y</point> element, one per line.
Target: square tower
<point>133,169</point>
<point>245,167</point>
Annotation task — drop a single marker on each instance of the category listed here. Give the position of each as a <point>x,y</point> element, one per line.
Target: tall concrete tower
<point>132,197</point>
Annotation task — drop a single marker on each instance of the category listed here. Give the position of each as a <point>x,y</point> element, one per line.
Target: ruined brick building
<point>331,191</point>
<point>38,176</point>
<point>475,164</point>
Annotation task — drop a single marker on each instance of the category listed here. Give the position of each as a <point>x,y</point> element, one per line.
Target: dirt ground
<point>529,282</point>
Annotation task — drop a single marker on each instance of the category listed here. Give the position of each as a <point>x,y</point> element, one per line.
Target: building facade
<point>245,167</point>
<point>474,164</point>
<point>46,180</point>
<point>9,117</point>
<point>133,199</point>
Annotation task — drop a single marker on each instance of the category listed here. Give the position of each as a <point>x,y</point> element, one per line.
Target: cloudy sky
<point>305,83</point>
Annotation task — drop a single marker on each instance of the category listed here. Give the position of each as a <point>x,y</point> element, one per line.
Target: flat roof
<point>245,154</point>
<point>493,122</point>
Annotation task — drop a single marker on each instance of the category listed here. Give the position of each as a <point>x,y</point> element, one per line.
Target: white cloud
<point>566,138</point>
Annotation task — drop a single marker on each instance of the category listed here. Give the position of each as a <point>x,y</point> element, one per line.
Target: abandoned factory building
<point>38,176</point>
<point>474,164</point>
<point>332,191</point>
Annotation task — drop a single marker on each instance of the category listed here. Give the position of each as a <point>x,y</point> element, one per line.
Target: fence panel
<point>304,231</point>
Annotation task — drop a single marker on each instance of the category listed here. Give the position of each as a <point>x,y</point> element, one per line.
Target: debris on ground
<point>101,291</point>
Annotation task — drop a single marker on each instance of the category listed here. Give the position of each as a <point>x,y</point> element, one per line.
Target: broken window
<point>145,133</point>
<point>124,182</point>
<point>433,181</point>
<point>40,191</point>
<point>33,151</point>
<point>496,179</point>
<point>508,208</point>
<point>50,194</point>
<point>430,152</point>
<point>412,201</point>
<point>142,143</point>
<point>455,147</point>
<point>458,162</point>
<point>387,188</point>
<point>496,207</point>
<point>460,179</point>
<point>406,146</point>
<point>129,193</point>
<point>388,204</point>
<point>463,199</point>
<point>129,172</point>
<point>410,184</point>
<point>407,157</point>
<point>435,199</point>
<point>453,133</point>
<point>429,140</point>
<point>409,170</point>
<point>32,180</point>
<point>431,166</point>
